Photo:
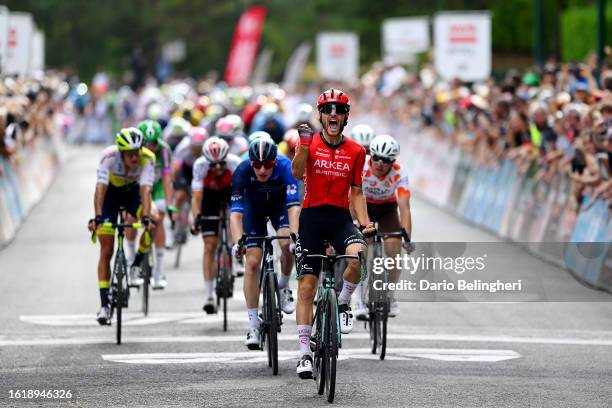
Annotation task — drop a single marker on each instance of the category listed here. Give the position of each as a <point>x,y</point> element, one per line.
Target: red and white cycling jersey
<point>331,171</point>
<point>203,178</point>
<point>385,189</point>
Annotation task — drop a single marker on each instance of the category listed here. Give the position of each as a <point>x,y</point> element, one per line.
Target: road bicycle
<point>326,338</point>
<point>119,292</point>
<point>378,301</point>
<point>271,315</point>
<point>224,287</point>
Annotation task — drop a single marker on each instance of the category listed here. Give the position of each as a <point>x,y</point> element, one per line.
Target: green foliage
<point>579,31</point>
<point>91,35</point>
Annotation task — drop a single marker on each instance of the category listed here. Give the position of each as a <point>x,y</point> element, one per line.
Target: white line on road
<point>463,355</point>
<point>6,341</point>
<point>138,319</point>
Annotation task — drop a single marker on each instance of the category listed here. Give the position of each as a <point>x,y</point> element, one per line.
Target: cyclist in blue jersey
<point>263,188</point>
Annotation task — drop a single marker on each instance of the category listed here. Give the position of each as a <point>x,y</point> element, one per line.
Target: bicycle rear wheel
<point>180,237</point>
<point>223,281</point>
<point>177,258</point>
<point>271,315</point>
<point>331,349</point>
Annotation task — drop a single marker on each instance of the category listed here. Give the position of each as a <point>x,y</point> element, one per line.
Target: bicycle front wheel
<point>331,342</point>
<point>271,316</point>
<point>383,328</point>
<point>320,361</point>
<point>373,322</point>
<point>120,283</point>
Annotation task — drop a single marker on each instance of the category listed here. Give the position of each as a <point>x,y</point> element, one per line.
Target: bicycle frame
<point>117,282</point>
<point>327,283</point>
<point>224,278</point>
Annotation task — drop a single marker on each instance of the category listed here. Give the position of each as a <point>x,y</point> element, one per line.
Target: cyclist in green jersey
<point>161,192</point>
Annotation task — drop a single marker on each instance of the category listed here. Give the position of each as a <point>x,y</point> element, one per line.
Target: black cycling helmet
<point>262,149</point>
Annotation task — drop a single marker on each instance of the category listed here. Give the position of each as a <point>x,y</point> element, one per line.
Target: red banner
<point>244,46</point>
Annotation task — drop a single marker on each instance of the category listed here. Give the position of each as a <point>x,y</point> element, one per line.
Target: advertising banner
<point>37,51</point>
<point>245,43</point>
<point>404,38</point>
<point>4,28</point>
<point>338,56</point>
<point>462,45</point>
<point>19,38</point>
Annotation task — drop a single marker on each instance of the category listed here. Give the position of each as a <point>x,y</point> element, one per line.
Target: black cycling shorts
<point>386,216</point>
<point>116,197</point>
<point>325,223</point>
<point>212,202</point>
<point>183,178</point>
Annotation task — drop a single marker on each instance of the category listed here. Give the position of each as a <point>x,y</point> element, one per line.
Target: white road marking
<point>6,341</point>
<point>138,319</point>
<point>462,355</point>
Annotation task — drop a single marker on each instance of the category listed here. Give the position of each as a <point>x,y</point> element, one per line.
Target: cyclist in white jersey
<point>386,189</point>
<point>124,178</point>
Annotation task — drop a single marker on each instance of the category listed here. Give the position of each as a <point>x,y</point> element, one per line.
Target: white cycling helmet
<point>363,134</point>
<point>384,146</point>
<point>304,112</point>
<point>215,149</point>
<point>258,134</point>
<point>237,122</point>
<point>177,127</point>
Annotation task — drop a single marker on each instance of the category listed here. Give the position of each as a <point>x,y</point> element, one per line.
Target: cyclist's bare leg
<point>160,231</point>
<point>106,253</point>
<point>181,197</point>
<point>353,269</point>
<point>251,277</point>
<point>352,274</point>
<point>130,241</point>
<point>307,288</point>
<point>393,246</point>
<point>208,267</point>
<point>159,238</point>
<point>286,256</point>
<point>104,271</point>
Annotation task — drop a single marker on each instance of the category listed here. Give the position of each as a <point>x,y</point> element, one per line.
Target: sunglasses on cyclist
<point>266,164</point>
<point>338,107</point>
<point>385,160</point>
<point>218,164</point>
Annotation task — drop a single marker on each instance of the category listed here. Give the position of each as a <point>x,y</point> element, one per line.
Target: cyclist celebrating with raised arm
<point>211,191</point>
<point>162,192</point>
<point>386,190</point>
<point>332,167</point>
<point>263,188</point>
<point>125,175</point>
